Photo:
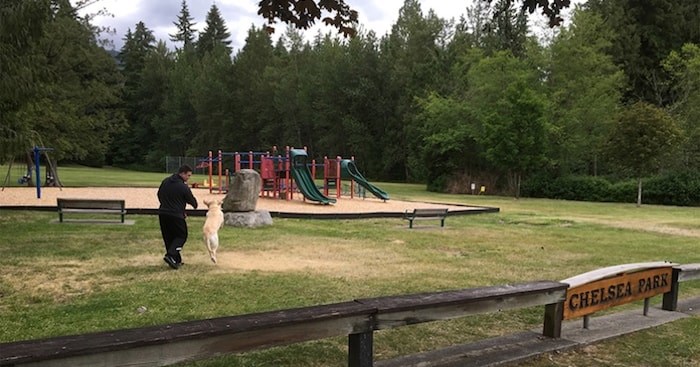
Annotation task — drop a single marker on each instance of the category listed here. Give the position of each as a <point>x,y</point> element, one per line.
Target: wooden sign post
<point>595,296</point>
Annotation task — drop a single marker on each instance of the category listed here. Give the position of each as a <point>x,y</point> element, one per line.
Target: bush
<point>681,189</point>
<point>672,189</point>
<point>438,184</point>
<point>584,188</point>
<point>623,192</point>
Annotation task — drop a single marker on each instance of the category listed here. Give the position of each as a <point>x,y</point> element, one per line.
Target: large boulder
<point>248,219</point>
<point>243,194</point>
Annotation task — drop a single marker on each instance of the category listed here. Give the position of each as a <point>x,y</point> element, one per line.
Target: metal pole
<point>36,169</point>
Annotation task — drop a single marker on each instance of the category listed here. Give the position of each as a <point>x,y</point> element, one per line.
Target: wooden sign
<point>591,297</point>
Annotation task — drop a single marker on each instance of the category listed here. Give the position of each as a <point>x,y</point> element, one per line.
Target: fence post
<point>670,300</point>
<point>553,315</point>
<point>360,353</point>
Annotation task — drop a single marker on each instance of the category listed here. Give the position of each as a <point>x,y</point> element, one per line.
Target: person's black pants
<point>174,231</point>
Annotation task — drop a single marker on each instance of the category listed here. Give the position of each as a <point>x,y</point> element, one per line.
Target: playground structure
<point>284,174</point>
<point>34,162</point>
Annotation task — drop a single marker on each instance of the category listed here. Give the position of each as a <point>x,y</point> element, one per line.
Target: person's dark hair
<point>184,168</point>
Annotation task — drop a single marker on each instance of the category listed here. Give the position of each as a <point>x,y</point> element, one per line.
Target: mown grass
<point>76,278</point>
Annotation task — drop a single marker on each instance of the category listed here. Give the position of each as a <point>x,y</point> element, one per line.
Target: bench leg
<point>60,217</point>
<point>442,222</point>
<point>410,223</point>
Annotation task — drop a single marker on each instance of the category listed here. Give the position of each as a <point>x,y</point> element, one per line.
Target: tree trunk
<point>517,185</point>
<point>595,165</point>
<point>639,192</point>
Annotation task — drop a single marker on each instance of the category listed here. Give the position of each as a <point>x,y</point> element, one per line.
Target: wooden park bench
<point>91,206</point>
<point>420,214</point>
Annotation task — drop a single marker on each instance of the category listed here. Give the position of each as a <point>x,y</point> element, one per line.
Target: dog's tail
<point>212,242</point>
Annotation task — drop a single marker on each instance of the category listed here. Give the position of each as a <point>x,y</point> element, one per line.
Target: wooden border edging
<point>168,344</point>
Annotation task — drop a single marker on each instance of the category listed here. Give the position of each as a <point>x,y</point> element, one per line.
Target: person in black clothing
<point>174,195</point>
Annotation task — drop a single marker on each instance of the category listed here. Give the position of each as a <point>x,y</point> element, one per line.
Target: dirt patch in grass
<point>66,279</point>
<point>347,259</point>
<point>640,225</point>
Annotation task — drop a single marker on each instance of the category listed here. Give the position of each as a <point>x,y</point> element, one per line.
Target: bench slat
<point>109,211</point>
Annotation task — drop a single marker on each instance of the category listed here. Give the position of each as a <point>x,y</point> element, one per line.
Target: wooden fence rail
<point>168,344</point>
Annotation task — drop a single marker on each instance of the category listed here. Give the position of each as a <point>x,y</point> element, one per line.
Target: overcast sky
<point>159,15</point>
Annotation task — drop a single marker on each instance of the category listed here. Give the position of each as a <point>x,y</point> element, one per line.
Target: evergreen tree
<point>215,33</point>
<point>645,32</point>
<point>134,143</point>
<point>291,98</point>
<point>211,99</point>
<point>413,55</point>
<point>185,28</point>
<point>507,30</point>
<point>252,93</point>
<point>177,124</point>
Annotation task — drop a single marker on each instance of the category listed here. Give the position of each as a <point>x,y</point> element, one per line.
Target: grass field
<point>75,278</point>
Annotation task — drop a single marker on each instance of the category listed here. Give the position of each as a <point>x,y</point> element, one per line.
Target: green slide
<point>348,168</point>
<point>303,179</point>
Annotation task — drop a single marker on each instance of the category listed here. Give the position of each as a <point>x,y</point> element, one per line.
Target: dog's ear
<point>221,202</point>
<point>206,202</point>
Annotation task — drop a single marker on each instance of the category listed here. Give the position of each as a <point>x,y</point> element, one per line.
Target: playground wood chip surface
<point>145,198</point>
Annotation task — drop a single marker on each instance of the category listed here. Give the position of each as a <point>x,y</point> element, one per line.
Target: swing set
<point>51,171</point>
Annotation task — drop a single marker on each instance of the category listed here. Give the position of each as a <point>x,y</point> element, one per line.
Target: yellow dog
<point>214,221</point>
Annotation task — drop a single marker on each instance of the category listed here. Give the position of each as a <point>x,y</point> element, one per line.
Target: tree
<point>506,113</point>
<point>684,68</point>
<point>71,92</point>
<point>211,99</point>
<point>414,56</point>
<point>215,33</point>
<point>304,13</point>
<point>291,87</point>
<point>134,143</point>
<point>177,124</point>
<point>642,140</point>
<point>507,30</point>
<point>645,32</point>
<point>22,23</point>
<point>450,149</point>
<point>185,27</point>
<point>251,91</point>
<point>515,136</point>
<point>585,88</point>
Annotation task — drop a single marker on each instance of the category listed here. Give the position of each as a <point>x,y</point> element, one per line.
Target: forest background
<point>608,105</point>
